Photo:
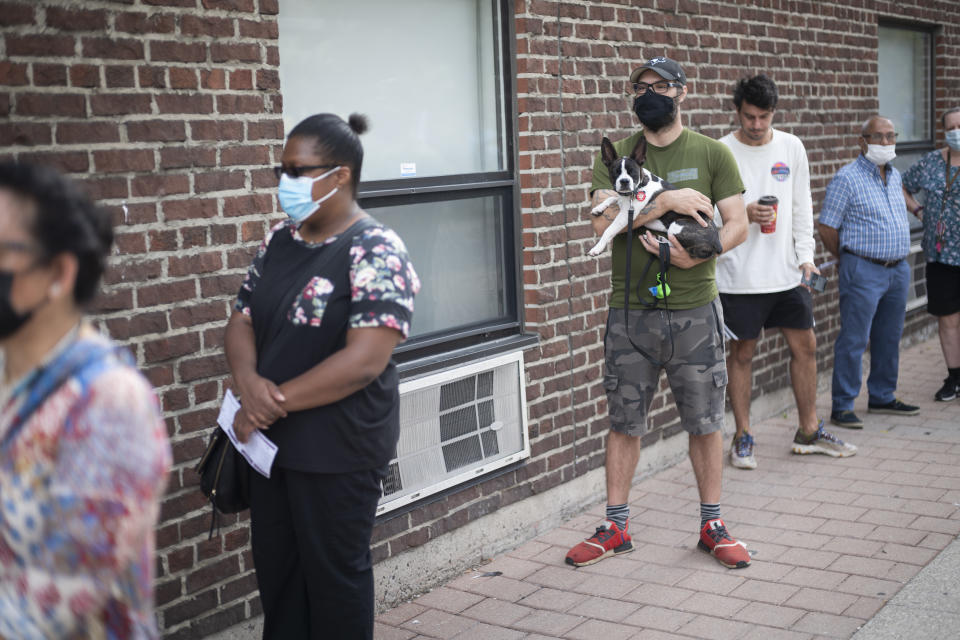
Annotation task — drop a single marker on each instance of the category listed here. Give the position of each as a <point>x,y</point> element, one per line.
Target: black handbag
<point>224,477</point>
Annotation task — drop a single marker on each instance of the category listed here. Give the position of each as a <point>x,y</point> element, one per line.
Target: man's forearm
<point>831,239</point>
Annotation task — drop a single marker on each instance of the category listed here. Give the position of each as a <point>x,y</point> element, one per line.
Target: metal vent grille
<point>456,425</point>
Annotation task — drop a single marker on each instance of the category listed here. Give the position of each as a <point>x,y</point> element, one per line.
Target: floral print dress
<point>81,477</point>
<point>941,207</point>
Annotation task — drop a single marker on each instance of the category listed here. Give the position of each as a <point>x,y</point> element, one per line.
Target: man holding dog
<point>760,281</point>
<point>683,329</point>
<point>864,223</point>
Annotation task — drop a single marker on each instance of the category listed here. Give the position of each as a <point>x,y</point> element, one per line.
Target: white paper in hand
<point>258,450</point>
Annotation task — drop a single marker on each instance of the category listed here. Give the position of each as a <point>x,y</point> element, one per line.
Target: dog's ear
<point>640,151</point>
<point>607,153</point>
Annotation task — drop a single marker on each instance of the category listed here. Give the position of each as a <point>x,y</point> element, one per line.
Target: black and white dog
<point>631,181</point>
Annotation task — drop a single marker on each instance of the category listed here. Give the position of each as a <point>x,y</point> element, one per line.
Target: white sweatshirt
<point>770,262</point>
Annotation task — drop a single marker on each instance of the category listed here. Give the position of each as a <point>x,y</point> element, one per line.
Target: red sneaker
<point>715,540</point>
<point>608,540</point>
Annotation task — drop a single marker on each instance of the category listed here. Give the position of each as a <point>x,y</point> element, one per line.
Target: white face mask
<point>880,154</point>
<point>953,139</point>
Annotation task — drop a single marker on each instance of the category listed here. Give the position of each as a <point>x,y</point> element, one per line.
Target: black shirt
<point>302,299</point>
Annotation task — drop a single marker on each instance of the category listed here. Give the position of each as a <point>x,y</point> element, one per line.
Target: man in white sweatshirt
<point>760,280</point>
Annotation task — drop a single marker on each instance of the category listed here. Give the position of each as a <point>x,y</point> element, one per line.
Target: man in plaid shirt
<point>864,223</point>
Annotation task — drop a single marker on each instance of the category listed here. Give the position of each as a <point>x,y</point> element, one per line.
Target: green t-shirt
<point>692,160</point>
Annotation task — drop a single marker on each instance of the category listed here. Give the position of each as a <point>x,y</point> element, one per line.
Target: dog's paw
<point>597,249</point>
<point>596,211</point>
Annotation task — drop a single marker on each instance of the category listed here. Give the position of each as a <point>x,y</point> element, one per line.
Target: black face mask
<point>654,110</point>
<point>10,319</point>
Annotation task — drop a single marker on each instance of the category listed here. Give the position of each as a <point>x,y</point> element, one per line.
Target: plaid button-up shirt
<point>871,216</point>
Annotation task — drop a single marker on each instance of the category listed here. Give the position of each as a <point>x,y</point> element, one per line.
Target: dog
<point>631,180</point>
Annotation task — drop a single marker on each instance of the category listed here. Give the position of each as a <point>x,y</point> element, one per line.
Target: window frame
<point>928,143</point>
<point>421,354</point>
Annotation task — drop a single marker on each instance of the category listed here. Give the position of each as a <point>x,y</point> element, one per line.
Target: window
<point>906,88</point>
<point>906,82</point>
<point>434,77</point>
<point>906,96</point>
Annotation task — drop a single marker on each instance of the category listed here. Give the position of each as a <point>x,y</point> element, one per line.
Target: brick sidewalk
<point>833,541</point>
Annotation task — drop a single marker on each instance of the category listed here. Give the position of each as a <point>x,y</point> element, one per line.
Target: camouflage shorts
<point>697,372</point>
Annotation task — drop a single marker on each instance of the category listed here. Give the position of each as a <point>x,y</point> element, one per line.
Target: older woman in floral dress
<point>937,174</point>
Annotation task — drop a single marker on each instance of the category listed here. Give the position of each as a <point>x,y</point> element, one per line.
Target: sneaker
<point>948,391</point>
<point>846,419</point>
<point>741,452</point>
<point>822,442</point>
<point>896,408</point>
<point>606,541</point>
<point>715,540</point>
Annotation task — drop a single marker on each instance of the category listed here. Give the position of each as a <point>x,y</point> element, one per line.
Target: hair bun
<point>358,123</point>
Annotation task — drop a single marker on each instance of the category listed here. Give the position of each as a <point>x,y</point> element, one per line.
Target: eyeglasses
<point>880,138</point>
<point>18,247</point>
<point>296,172</point>
<point>661,86</point>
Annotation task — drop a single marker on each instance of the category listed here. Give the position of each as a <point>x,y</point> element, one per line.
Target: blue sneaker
<point>741,452</point>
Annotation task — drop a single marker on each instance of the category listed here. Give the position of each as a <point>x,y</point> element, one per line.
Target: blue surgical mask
<point>953,139</point>
<point>296,195</point>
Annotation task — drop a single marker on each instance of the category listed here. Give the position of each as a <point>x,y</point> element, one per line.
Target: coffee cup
<point>769,201</point>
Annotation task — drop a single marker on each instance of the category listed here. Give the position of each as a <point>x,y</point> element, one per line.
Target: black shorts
<point>746,313</point>
<point>943,289</point>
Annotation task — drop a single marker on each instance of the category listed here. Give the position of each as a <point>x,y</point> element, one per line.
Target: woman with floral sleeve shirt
<point>327,298</point>
<point>937,174</point>
<point>83,448</point>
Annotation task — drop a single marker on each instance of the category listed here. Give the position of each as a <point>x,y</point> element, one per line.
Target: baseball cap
<point>667,68</point>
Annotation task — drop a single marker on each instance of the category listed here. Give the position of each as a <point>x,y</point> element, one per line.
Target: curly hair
<point>63,220</point>
<point>760,91</point>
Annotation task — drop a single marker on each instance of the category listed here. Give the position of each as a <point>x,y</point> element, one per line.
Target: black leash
<point>664,259</point>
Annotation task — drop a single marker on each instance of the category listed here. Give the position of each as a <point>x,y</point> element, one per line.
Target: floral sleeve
<point>383,282</point>
<point>913,178</point>
<point>253,273</point>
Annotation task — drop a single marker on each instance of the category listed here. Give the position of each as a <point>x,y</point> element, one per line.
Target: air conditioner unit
<point>455,425</point>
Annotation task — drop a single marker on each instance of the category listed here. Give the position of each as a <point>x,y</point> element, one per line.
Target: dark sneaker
<point>606,541</point>
<point>715,540</point>
<point>846,419</point>
<point>949,390</point>
<point>822,442</point>
<point>896,408</point>
<point>741,452</point>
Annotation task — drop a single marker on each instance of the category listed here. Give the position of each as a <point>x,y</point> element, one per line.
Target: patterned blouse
<point>929,174</point>
<point>383,281</point>
<point>81,478</point>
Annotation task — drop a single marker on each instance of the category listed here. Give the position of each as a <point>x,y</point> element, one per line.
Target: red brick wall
<point>173,108</point>
<point>573,63</point>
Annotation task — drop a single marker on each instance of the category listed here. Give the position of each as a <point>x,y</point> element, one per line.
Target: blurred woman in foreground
<point>83,448</point>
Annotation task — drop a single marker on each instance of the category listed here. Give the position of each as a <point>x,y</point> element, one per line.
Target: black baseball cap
<point>667,69</point>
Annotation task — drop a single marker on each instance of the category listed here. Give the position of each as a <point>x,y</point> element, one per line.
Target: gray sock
<point>708,511</point>
<point>618,514</point>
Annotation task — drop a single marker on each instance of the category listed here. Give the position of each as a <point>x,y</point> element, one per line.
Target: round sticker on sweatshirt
<point>780,172</point>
